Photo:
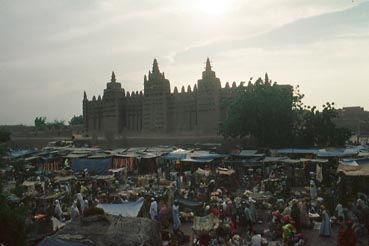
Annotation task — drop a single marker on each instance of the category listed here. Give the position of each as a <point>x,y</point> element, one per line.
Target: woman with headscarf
<point>153,209</point>
<point>252,203</point>
<point>339,210</point>
<point>58,212</point>
<point>81,202</point>
<point>74,212</point>
<point>325,226</point>
<point>175,215</point>
<point>313,190</point>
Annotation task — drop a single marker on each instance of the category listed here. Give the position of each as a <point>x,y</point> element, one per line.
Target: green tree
<point>261,110</point>
<point>276,117</point>
<point>76,120</point>
<point>40,122</point>
<point>56,124</point>
<point>4,136</point>
<point>12,228</point>
<point>318,129</point>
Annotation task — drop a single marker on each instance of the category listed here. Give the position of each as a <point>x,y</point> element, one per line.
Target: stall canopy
<point>358,167</point>
<point>178,154</point>
<point>290,161</point>
<point>203,155</point>
<point>160,149</point>
<point>249,154</point>
<point>353,170</point>
<point>196,160</point>
<point>355,162</point>
<point>75,156</point>
<point>337,152</point>
<point>21,153</point>
<point>244,163</point>
<point>128,209</point>
<point>274,159</point>
<point>136,149</point>
<point>298,151</point>
<point>98,166</point>
<point>314,160</point>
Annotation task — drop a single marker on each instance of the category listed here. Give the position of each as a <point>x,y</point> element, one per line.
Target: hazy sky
<point>53,50</point>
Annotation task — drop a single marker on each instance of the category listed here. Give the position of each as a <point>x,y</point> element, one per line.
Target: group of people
<point>75,195</point>
<point>240,217</point>
<point>75,211</point>
<point>270,211</point>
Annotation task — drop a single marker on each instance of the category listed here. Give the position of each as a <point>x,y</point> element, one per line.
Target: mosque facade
<point>158,110</point>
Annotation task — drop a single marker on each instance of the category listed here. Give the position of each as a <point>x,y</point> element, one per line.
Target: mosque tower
<point>208,101</point>
<point>156,100</point>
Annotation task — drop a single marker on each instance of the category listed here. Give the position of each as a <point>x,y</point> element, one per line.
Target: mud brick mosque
<point>196,111</point>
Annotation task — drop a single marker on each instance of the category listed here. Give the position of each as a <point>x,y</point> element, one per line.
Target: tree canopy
<point>42,124</point>
<point>317,127</point>
<point>12,219</point>
<point>263,111</point>
<point>76,120</point>
<point>276,117</point>
<point>4,136</point>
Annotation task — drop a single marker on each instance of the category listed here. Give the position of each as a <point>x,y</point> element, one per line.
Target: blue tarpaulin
<point>97,166</point>
<point>209,156</point>
<point>337,152</point>
<point>298,151</point>
<point>196,160</point>
<point>355,162</point>
<point>175,156</point>
<point>21,153</point>
<point>128,209</point>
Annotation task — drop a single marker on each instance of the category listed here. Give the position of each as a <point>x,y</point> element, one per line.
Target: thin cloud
<point>55,48</point>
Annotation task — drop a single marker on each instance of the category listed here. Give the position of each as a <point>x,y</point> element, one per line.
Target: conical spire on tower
<point>155,66</point>
<point>208,73</point>
<point>266,80</point>
<point>113,80</point>
<point>84,95</point>
<point>208,65</point>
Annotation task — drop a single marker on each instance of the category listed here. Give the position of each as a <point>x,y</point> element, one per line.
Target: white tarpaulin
<point>128,209</point>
